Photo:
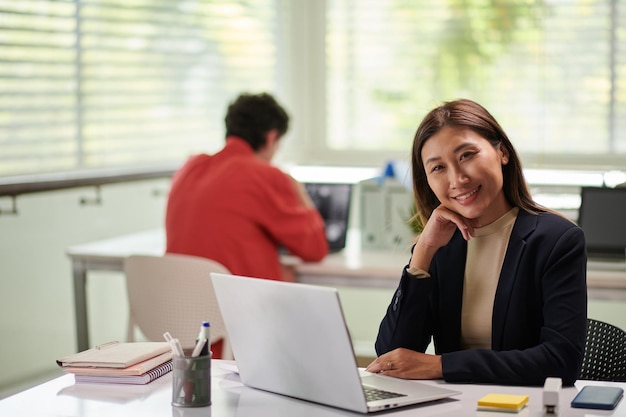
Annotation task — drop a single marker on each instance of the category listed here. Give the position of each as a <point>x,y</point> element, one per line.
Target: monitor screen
<point>333,203</point>
<point>602,216</point>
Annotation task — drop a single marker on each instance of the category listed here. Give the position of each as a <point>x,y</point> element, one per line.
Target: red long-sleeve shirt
<point>237,209</point>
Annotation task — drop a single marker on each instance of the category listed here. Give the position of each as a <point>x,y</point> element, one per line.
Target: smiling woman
<point>497,281</point>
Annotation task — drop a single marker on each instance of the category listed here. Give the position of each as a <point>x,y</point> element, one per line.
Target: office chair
<point>173,293</point>
<point>605,352</point>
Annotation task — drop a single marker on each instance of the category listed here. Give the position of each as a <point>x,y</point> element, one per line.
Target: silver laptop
<point>292,339</point>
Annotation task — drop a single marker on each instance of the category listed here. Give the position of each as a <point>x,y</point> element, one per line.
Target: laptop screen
<point>602,216</point>
<point>333,203</point>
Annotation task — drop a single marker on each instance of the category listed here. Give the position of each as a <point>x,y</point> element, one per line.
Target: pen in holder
<point>191,382</point>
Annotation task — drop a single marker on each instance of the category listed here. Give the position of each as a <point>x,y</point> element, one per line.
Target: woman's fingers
<point>443,222</point>
<point>407,364</point>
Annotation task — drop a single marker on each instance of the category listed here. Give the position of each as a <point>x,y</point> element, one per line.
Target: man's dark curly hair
<point>251,116</point>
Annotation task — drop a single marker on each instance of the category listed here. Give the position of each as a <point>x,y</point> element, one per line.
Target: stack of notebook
<point>120,363</point>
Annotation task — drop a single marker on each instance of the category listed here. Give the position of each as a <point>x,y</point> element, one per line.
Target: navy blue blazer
<point>539,315</point>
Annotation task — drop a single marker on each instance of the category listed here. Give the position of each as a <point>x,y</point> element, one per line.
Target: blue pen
<point>205,334</point>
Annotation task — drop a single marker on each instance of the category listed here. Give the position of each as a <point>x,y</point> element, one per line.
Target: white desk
<point>351,267</point>
<point>62,397</point>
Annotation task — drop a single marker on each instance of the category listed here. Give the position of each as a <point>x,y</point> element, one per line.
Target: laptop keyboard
<point>373,394</point>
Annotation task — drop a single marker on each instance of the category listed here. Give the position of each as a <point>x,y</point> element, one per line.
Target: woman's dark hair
<point>466,114</point>
<point>251,116</point>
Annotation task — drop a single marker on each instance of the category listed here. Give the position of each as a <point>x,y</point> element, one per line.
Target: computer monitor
<point>602,216</point>
<point>333,202</point>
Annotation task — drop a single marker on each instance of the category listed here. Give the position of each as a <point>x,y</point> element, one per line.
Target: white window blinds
<point>102,83</point>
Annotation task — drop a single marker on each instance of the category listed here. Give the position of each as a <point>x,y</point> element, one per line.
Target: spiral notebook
<point>136,369</point>
<point>142,379</point>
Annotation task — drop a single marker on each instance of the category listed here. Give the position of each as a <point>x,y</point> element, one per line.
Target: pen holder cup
<point>191,381</point>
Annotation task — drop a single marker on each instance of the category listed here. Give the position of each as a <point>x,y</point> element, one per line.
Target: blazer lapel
<point>524,225</point>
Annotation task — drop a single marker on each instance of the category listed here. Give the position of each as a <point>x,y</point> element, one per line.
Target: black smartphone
<point>598,397</point>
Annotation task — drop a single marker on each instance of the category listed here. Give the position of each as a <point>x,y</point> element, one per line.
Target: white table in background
<point>352,267</point>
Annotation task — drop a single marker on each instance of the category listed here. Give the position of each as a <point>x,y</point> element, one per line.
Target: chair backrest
<point>173,293</point>
<point>605,352</point>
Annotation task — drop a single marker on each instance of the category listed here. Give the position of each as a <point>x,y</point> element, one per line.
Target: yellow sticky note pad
<point>502,402</point>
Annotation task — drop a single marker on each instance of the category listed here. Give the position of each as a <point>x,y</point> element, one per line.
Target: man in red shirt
<point>236,208</point>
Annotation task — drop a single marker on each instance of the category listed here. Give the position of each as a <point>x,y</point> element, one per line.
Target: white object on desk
<point>385,209</point>
<point>551,392</point>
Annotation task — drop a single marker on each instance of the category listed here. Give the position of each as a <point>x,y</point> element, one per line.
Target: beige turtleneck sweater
<point>485,255</point>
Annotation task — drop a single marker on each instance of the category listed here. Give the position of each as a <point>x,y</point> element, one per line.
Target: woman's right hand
<point>437,232</point>
<point>441,226</point>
